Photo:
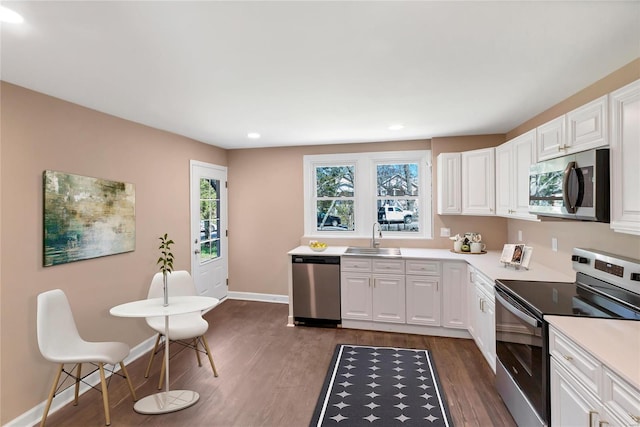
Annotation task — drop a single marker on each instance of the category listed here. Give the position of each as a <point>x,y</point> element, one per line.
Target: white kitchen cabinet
<point>449,184</point>
<point>454,294</point>
<point>551,139</point>
<point>513,159</point>
<point>582,129</point>
<point>483,313</point>
<point>478,182</point>
<point>466,183</point>
<point>369,293</point>
<point>584,391</point>
<point>587,126</point>
<point>423,300</point>
<point>625,153</point>
<point>571,403</point>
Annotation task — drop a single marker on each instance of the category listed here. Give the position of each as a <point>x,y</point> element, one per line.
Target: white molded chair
<point>60,342</point>
<point>186,329</point>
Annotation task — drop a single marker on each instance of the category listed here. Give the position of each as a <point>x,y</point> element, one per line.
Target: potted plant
<point>166,263</point>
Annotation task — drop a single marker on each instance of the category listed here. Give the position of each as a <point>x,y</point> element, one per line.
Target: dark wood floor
<point>271,375</point>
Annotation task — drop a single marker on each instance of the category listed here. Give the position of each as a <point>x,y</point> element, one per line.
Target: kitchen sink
<point>382,252</point>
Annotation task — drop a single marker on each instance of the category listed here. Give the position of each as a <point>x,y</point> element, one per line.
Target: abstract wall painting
<point>86,217</point>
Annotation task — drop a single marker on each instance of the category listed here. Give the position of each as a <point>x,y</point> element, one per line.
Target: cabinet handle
<point>569,358</point>
<point>369,281</point>
<point>602,423</point>
<point>591,414</point>
<point>635,418</point>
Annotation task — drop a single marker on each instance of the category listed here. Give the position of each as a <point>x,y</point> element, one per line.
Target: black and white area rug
<point>381,386</point>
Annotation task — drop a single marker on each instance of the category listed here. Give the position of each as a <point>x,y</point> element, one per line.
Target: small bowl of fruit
<point>317,246</point>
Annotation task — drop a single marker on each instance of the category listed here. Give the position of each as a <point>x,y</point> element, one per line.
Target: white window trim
<point>365,208</point>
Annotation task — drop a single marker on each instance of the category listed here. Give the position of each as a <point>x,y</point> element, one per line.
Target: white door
<point>209,249</point>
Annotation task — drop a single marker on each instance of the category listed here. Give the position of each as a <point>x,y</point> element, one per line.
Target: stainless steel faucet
<point>375,244</point>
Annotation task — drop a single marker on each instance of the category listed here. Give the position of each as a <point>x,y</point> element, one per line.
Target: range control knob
<point>635,277</point>
<point>579,259</point>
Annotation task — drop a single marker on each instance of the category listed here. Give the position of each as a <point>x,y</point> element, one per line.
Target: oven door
<point>522,351</point>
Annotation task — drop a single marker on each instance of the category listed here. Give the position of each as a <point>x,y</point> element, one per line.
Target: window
<point>209,219</point>
<point>346,193</point>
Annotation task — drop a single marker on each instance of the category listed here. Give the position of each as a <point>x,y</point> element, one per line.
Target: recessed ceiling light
<point>396,127</point>
<point>253,135</point>
<point>8,15</point>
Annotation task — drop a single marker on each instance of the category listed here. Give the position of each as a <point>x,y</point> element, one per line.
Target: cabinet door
<point>481,334</point>
<point>571,404</point>
<point>389,298</point>
<point>449,186</point>
<point>550,140</point>
<point>472,304</point>
<point>478,182</point>
<point>489,327</point>
<point>454,295</point>
<point>524,155</point>
<point>587,126</point>
<point>625,152</point>
<point>504,181</point>
<point>423,300</point>
<point>355,291</point>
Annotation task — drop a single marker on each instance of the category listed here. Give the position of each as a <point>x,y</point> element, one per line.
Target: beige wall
<point>266,206</point>
<point>39,132</point>
<point>572,234</point>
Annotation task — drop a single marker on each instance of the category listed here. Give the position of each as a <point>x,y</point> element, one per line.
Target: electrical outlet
<point>554,244</point>
<point>445,232</point>
<point>519,235</point>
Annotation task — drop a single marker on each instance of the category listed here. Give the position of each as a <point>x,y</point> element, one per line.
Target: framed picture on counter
<point>517,255</point>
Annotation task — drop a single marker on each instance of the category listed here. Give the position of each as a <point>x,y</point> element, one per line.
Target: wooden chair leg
<point>153,353</point>
<point>105,394</point>
<point>51,394</point>
<point>161,372</point>
<point>206,347</point>
<point>78,376</point>
<point>195,346</point>
<point>126,376</point>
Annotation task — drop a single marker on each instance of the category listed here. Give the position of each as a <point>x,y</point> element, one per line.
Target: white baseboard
<point>252,296</point>
<point>34,415</point>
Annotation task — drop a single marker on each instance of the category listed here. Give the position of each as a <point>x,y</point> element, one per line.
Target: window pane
<point>334,181</point>
<point>398,179</point>
<point>209,220</point>
<point>335,215</point>
<point>399,215</point>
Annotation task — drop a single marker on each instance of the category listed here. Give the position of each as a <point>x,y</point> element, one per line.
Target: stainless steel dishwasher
<point>316,289</point>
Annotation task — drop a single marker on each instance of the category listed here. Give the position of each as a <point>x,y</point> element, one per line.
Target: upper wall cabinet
<point>513,159</point>
<point>466,183</point>
<point>581,129</point>
<point>478,182</point>
<point>625,155</point>
<point>449,184</point>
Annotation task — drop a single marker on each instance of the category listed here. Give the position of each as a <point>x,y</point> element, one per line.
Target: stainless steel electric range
<point>606,286</point>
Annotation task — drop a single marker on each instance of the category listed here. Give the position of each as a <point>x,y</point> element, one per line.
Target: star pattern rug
<point>381,386</point>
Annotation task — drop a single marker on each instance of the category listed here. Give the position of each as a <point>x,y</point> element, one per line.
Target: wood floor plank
<point>271,375</point>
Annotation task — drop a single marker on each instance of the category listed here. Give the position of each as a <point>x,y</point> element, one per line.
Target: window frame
<point>365,191</point>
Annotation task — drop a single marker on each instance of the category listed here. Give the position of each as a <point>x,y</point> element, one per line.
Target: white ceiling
<point>318,72</point>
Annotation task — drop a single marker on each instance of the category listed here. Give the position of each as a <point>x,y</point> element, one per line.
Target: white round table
<point>174,400</point>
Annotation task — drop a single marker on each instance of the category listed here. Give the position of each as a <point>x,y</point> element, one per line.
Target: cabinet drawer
<point>621,398</point>
<point>482,282</point>
<point>575,360</point>
<point>355,264</point>
<point>423,268</point>
<point>395,266</point>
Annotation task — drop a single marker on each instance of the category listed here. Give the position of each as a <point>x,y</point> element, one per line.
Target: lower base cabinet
<point>585,392</point>
<point>482,320</point>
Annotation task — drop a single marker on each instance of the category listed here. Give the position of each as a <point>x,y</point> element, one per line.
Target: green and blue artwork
<point>86,217</point>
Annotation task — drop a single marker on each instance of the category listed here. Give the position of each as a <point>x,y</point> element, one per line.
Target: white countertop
<point>489,263</point>
<point>616,343</point>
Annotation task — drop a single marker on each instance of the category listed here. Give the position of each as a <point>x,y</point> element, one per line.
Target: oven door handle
<point>522,316</point>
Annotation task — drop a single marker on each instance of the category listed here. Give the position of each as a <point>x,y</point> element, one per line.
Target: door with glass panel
<point>209,229</point>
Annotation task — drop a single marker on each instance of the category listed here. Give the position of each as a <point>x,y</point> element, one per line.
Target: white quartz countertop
<point>616,343</point>
<point>489,263</point>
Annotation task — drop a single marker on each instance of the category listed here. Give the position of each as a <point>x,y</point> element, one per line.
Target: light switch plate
<point>519,235</point>
<point>445,232</point>
<point>554,244</point>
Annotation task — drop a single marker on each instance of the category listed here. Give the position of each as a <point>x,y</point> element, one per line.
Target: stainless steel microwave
<point>574,186</point>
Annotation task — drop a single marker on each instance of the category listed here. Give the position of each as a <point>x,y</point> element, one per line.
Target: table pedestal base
<point>164,402</point>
